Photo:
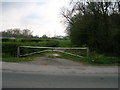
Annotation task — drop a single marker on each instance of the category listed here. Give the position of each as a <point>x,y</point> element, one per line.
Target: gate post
<point>87,52</point>
<point>18,52</point>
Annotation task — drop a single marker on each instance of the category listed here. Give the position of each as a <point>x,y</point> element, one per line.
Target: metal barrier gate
<point>58,49</point>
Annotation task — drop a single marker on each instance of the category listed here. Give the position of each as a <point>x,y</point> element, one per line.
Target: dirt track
<point>57,66</point>
<point>53,61</point>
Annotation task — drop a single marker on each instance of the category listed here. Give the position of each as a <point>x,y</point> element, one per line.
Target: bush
<point>10,48</point>
<point>31,40</point>
<point>96,54</point>
<point>8,40</point>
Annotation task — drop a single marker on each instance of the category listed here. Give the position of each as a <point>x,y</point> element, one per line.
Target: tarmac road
<point>44,74</point>
<point>38,80</point>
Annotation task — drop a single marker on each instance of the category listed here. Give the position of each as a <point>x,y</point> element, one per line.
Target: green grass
<point>93,60</point>
<point>99,61</point>
<point>64,43</point>
<point>8,58</point>
<point>14,59</point>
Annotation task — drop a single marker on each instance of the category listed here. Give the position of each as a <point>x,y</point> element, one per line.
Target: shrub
<point>8,40</point>
<point>10,48</point>
<point>31,40</point>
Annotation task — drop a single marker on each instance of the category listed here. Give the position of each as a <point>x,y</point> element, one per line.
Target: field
<point>9,52</point>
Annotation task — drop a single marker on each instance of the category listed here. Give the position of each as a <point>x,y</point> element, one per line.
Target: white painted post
<point>18,52</point>
<point>87,52</point>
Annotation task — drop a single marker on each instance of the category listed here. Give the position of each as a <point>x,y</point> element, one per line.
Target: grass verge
<point>8,58</point>
<point>98,61</point>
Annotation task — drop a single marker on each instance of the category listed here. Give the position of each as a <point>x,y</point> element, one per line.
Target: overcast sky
<point>40,16</point>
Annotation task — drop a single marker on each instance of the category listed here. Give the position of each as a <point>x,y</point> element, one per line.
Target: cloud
<point>40,17</point>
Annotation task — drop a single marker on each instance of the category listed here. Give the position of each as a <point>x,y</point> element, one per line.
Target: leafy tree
<point>26,33</point>
<point>44,37</point>
<point>94,24</point>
